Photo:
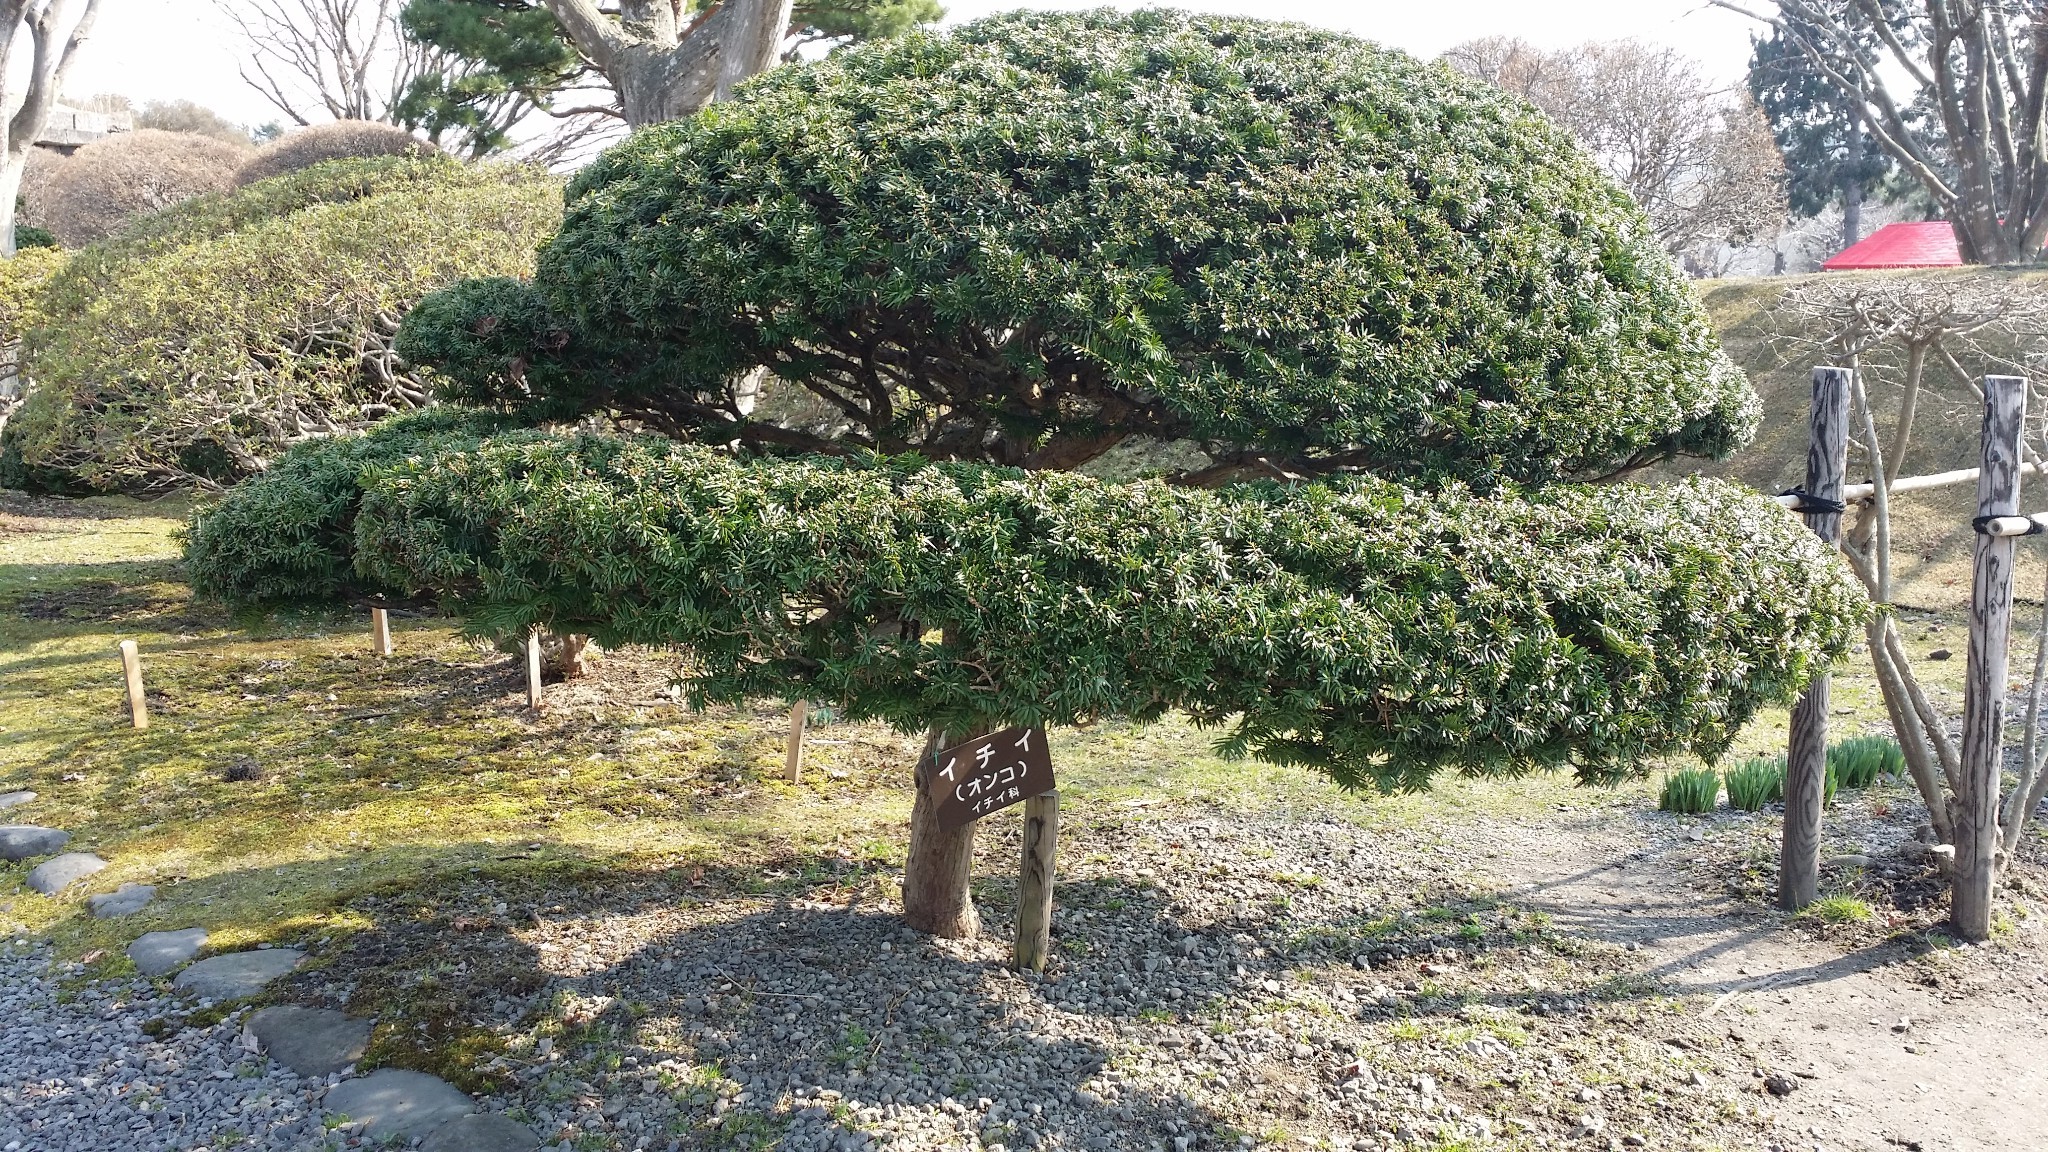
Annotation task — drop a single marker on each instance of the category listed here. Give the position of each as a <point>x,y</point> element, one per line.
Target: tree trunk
<point>658,82</point>
<point>572,656</point>
<point>936,897</point>
<point>11,168</point>
<point>1852,188</point>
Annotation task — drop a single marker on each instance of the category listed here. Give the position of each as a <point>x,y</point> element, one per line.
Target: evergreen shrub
<point>288,533</point>
<point>1030,238</point>
<point>194,348</point>
<point>1367,628</point>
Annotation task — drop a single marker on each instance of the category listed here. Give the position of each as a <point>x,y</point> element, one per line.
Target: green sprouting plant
<point>1838,910</point>
<point>1690,792</point>
<point>1863,760</point>
<point>1755,782</point>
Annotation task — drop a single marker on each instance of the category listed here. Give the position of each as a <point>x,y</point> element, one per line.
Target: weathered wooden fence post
<point>1806,759</point>
<point>380,631</point>
<point>1034,880</point>
<point>131,671</point>
<point>1976,826</point>
<point>793,754</point>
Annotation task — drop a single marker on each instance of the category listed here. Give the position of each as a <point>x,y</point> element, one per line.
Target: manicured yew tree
<point>1037,236</point>
<point>196,346</point>
<point>974,261</point>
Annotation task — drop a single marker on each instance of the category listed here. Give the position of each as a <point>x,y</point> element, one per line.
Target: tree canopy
<point>1039,235</point>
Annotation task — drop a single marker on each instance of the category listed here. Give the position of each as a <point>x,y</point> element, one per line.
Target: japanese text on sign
<point>988,774</point>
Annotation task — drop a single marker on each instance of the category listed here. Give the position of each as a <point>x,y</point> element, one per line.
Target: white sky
<point>164,49</point>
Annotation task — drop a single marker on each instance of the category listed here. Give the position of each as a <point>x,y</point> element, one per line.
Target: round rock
<point>60,872</point>
<point>21,841</point>
<point>393,1102</point>
<point>156,953</point>
<point>126,900</point>
<point>237,974</point>
<point>482,1132</point>
<point>14,799</point>
<point>310,1041</point>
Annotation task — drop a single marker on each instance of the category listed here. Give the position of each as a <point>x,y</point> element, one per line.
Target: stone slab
<point>15,799</point>
<point>126,900</point>
<point>156,953</point>
<point>393,1102</point>
<point>237,974</point>
<point>21,841</point>
<point>60,872</point>
<point>314,1042</point>
<point>482,1132</point>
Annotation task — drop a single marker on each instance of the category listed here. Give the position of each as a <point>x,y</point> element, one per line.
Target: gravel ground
<point>82,1073</point>
<point>1219,981</point>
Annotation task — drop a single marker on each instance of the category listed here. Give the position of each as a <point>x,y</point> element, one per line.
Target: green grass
<point>1838,910</point>
<point>1690,791</point>
<point>1864,760</point>
<point>1755,782</point>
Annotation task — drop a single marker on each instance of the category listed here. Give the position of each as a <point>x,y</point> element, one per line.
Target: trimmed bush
<point>288,534</point>
<point>27,236</point>
<point>1365,628</point>
<point>106,183</point>
<point>1035,236</point>
<point>194,350</point>
<point>1757,781</point>
<point>340,140</point>
<point>1690,792</point>
<point>1861,761</point>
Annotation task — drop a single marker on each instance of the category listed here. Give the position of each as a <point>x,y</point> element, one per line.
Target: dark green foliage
<point>30,236</point>
<point>1814,125</point>
<point>1690,792</point>
<point>1863,760</point>
<point>1037,235</point>
<point>289,533</point>
<point>1373,631</point>
<point>1755,782</point>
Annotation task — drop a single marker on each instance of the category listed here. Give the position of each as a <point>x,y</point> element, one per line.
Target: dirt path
<point>1968,1070</point>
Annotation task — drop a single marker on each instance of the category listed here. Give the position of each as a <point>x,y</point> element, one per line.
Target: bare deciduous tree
<point>324,59</point>
<point>53,48</point>
<point>1955,91</point>
<point>1919,336</point>
<point>1699,159</point>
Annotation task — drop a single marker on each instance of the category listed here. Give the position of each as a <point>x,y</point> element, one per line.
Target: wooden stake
<point>1976,827</point>
<point>380,631</point>
<point>1806,759</point>
<point>1034,880</point>
<point>533,669</point>
<point>793,757</point>
<point>131,669</point>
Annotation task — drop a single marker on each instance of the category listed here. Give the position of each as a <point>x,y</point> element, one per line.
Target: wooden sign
<point>971,780</point>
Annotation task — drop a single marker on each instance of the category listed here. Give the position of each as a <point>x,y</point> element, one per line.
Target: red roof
<point>1931,244</point>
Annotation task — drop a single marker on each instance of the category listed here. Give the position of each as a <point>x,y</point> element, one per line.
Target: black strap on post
<point>1979,524</point>
<point>1811,503</point>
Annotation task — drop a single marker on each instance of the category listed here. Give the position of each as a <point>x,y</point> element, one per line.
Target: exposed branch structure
<point>54,39</point>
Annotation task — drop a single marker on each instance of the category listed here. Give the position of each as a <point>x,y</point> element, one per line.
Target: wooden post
<point>1806,759</point>
<point>793,756</point>
<point>1976,827</point>
<point>380,631</point>
<point>1034,880</point>
<point>533,669</point>
<point>131,670</point>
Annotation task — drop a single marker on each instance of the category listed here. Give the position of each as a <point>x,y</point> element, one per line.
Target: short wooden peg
<point>533,669</point>
<point>131,668</point>
<point>380,630</point>
<point>1034,880</point>
<point>793,757</point>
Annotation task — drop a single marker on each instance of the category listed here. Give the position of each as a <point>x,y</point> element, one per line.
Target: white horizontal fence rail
<point>1865,493</point>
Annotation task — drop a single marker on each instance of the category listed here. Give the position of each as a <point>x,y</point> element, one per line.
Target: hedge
<point>1369,629</point>
<point>1028,238</point>
<point>194,350</point>
<point>288,534</point>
